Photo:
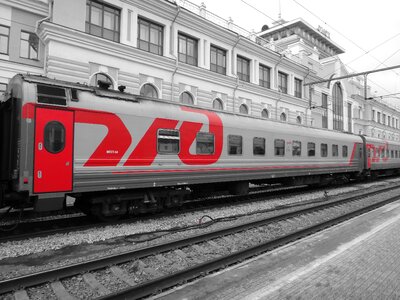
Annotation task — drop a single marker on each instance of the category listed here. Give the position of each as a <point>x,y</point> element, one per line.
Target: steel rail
<point>168,281</point>
<point>25,281</point>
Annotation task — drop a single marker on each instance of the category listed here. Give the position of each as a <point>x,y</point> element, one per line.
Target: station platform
<point>358,259</point>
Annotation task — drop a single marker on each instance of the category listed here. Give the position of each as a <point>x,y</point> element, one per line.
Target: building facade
<point>180,52</point>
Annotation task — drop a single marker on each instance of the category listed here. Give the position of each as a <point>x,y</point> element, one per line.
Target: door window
<point>54,137</point>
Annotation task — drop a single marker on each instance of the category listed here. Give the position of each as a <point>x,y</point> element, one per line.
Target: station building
<point>178,51</point>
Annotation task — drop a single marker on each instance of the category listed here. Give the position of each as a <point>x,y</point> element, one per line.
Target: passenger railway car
<point>118,153</point>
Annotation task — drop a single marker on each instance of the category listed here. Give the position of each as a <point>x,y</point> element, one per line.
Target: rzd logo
<point>146,150</point>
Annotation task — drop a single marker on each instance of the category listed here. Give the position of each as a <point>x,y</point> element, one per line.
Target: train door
<point>53,154</point>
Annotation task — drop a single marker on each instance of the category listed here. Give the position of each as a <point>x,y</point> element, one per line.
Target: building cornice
<point>37,7</point>
<point>53,32</point>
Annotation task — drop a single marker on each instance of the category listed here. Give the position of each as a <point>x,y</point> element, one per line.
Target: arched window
<point>337,106</point>
<point>102,80</point>
<point>148,90</point>
<point>217,104</point>
<point>243,109</point>
<point>265,113</point>
<point>186,98</point>
<point>298,120</point>
<point>283,117</point>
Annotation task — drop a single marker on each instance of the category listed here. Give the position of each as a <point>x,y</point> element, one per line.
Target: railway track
<point>78,221</point>
<point>140,273</point>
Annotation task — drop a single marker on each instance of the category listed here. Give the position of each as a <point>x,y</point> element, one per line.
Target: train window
<point>324,150</point>
<point>168,141</point>
<point>382,153</point>
<point>235,144</point>
<point>54,137</point>
<point>258,146</point>
<point>204,143</point>
<point>335,150</point>
<point>296,148</point>
<point>311,149</point>
<point>279,147</point>
<point>345,151</point>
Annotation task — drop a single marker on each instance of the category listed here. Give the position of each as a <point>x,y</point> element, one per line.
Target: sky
<point>369,31</point>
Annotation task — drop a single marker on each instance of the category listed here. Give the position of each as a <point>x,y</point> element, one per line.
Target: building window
<point>265,113</point>
<point>324,150</point>
<point>102,20</point>
<point>186,98</point>
<point>29,45</point>
<point>265,76</point>
<point>311,149</point>
<point>204,143</point>
<point>384,119</point>
<point>218,60</point>
<point>149,90</point>
<point>279,147</point>
<point>283,117</point>
<point>373,115</point>
<point>298,85</point>
<point>102,80</point>
<point>298,120</point>
<point>234,144</point>
<point>378,117</point>
<point>296,148</point>
<point>168,141</point>
<point>259,146</point>
<point>217,104</point>
<point>337,111</point>
<point>150,37</point>
<point>4,39</point>
<point>187,50</point>
<point>243,68</point>
<point>282,82</point>
<point>243,109</point>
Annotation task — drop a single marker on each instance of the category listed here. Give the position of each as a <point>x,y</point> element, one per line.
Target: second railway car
<point>118,153</point>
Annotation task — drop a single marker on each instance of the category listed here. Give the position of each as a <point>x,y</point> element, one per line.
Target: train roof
<point>246,121</point>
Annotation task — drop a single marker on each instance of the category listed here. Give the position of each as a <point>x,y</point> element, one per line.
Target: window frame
<point>29,46</point>
<point>345,153</point>
<point>335,150</point>
<point>171,137</point>
<point>298,83</point>
<point>184,56</point>
<point>144,86</point>
<point>146,44</point>
<point>264,71</point>
<point>7,39</point>
<point>277,153</point>
<point>298,148</point>
<point>184,96</point>
<point>309,148</point>
<point>240,138</point>
<point>209,134</point>
<point>283,82</point>
<point>105,8</point>
<point>324,150</point>
<point>243,64</point>
<point>262,148</point>
<point>218,67</point>
<point>220,104</point>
